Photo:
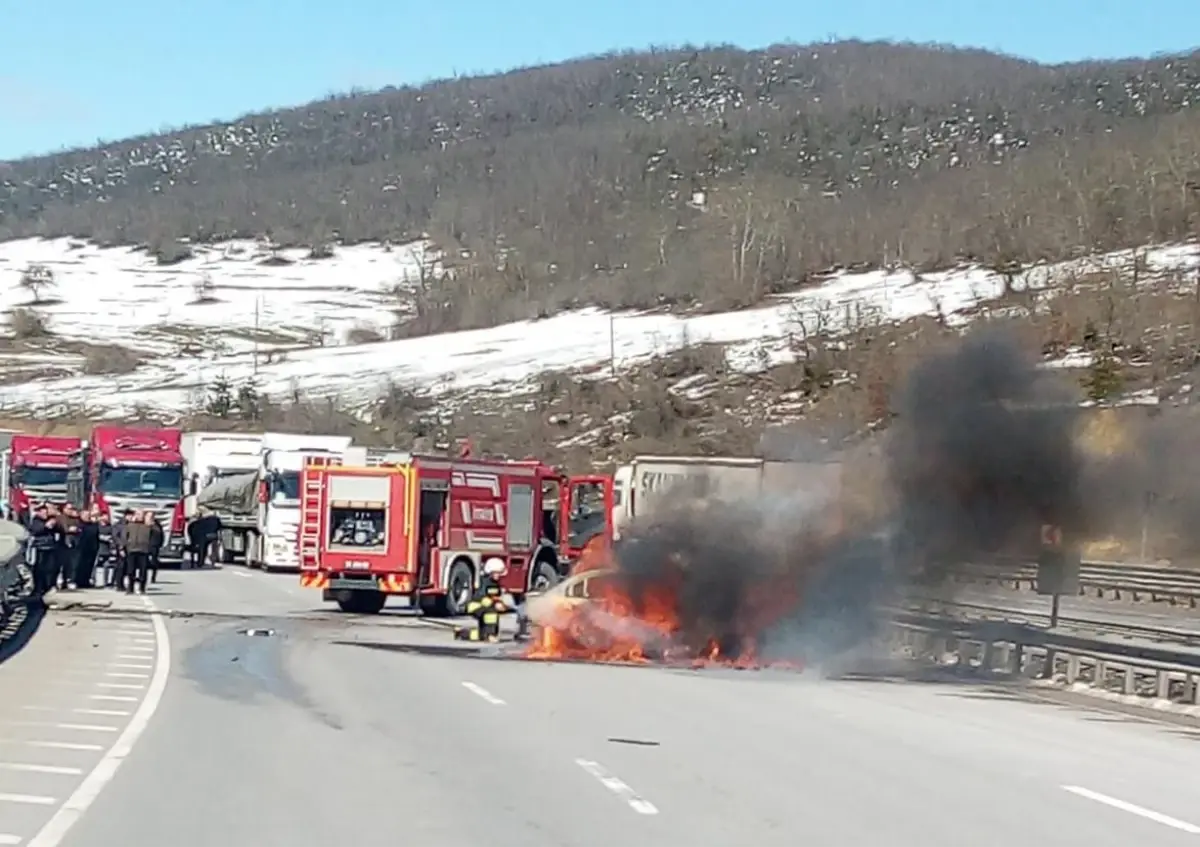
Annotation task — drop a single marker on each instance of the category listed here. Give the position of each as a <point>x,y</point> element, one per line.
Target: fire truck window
<point>358,529</point>
<point>587,512</point>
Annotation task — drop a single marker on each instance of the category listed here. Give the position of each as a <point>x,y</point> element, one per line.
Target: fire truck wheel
<point>459,588</point>
<point>362,602</point>
<point>544,576</point>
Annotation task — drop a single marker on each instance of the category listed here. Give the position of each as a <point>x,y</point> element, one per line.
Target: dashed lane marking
<point>33,799</point>
<point>52,745</point>
<point>635,801</point>
<point>119,698</point>
<point>20,766</point>
<point>56,829</point>
<point>5,838</point>
<point>116,713</point>
<point>1140,811</point>
<point>125,686</point>
<point>80,727</point>
<point>483,693</point>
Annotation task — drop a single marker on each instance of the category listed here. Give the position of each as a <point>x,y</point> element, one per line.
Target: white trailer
<point>646,484</point>
<point>211,456</point>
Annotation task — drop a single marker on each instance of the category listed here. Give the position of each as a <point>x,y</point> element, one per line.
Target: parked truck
<point>33,469</point>
<point>421,528</point>
<point>121,468</point>
<point>648,483</point>
<point>210,456</point>
<point>260,508</point>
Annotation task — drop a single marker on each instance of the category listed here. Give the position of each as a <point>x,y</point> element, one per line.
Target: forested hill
<point>710,175</point>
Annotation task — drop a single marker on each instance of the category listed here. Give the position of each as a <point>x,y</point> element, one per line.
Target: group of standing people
<point>67,547</point>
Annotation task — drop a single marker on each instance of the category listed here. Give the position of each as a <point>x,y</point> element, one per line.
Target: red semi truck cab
<point>424,527</point>
<point>121,468</point>
<point>38,470</point>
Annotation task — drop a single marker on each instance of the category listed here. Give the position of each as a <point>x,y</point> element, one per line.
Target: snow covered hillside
<point>216,298</point>
<point>122,297</point>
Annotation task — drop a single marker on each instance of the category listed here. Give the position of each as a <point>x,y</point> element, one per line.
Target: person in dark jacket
<point>87,549</point>
<point>202,536</point>
<point>138,544</point>
<point>42,531</point>
<point>68,546</point>
<point>105,554</point>
<point>157,538</point>
<point>120,530</point>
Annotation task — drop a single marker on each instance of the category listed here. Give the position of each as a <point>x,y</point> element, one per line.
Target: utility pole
<point>612,344</point>
<point>257,301</point>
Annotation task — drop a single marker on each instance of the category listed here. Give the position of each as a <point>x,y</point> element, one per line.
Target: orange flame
<point>611,626</point>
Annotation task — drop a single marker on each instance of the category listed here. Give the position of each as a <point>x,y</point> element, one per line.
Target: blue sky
<point>76,71</point>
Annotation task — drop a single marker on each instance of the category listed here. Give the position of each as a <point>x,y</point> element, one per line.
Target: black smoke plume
<point>982,451</point>
<point>982,454</point>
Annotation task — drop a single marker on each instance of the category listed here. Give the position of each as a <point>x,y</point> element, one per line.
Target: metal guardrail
<point>1020,651</point>
<point>978,612</point>
<point>1111,580</point>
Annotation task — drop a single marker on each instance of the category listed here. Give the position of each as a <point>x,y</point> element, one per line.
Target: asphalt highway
<point>327,730</point>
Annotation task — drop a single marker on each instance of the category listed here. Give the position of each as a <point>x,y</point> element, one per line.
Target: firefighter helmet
<point>495,567</point>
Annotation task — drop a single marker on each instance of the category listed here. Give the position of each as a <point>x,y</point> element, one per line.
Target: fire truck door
<point>589,509</point>
<point>431,519</point>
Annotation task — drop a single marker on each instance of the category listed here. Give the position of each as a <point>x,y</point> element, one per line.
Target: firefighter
<point>487,605</point>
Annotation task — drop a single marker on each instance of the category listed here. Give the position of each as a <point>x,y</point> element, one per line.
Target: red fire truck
<point>422,528</point>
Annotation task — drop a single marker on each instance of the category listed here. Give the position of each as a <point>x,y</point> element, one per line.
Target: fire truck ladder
<point>311,508</point>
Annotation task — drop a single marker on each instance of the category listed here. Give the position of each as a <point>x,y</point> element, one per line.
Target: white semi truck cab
<point>278,521</point>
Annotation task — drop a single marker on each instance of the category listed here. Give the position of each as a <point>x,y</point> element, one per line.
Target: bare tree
<point>37,280</point>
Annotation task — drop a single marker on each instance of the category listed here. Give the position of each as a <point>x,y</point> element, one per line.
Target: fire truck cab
<point>421,527</point>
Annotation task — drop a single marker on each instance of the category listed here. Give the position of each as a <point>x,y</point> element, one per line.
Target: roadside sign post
<point>1058,569</point>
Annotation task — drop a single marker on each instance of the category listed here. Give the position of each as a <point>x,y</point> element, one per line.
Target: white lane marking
<point>82,727</point>
<point>137,666</point>
<point>136,640</point>
<point>118,675</point>
<point>119,698</point>
<point>5,838</point>
<point>242,574</point>
<point>34,799</point>
<point>127,686</point>
<point>480,691</point>
<point>636,802</point>
<point>135,648</point>
<point>52,745</point>
<point>136,627</point>
<point>139,656</point>
<point>19,766</point>
<point>1141,812</point>
<point>85,795</point>
<point>116,713</point>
